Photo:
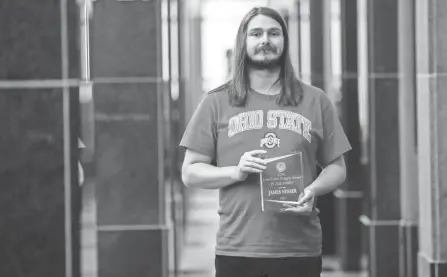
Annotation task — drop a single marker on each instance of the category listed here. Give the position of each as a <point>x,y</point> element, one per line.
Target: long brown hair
<point>238,85</point>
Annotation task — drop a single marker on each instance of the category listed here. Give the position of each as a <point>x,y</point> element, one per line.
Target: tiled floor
<point>198,256</point>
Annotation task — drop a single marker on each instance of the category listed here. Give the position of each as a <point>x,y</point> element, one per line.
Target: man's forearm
<point>330,178</point>
<point>206,176</point>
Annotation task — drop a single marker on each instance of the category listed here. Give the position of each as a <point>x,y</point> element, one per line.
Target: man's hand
<point>304,205</point>
<point>250,162</point>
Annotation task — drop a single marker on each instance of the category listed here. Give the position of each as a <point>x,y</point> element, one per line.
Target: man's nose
<point>264,38</point>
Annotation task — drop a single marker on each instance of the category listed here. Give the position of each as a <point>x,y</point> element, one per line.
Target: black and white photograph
<point>223,138</point>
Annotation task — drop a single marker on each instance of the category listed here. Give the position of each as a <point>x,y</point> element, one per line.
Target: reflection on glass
<point>165,40</point>
<point>363,78</point>
<point>174,54</point>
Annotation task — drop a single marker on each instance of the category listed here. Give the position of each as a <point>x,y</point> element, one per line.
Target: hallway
<point>125,78</point>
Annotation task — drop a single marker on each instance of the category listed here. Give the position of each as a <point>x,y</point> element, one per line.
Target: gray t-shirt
<point>225,133</point>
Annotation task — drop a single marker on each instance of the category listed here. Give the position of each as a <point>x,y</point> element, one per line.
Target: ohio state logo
<point>270,140</point>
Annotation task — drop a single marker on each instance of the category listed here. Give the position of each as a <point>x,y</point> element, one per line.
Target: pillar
<point>431,41</point>
<point>408,229</point>
<point>316,8</point>
<point>379,53</point>
<point>318,73</point>
<point>130,71</point>
<point>39,194</point>
<point>190,79</point>
<point>173,117</point>
<point>289,10</point>
<point>349,196</point>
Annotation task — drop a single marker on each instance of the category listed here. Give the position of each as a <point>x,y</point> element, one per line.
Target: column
<point>318,74</point>
<point>316,8</point>
<point>431,42</point>
<point>289,10</point>
<point>408,230</point>
<point>130,71</point>
<point>349,196</point>
<point>190,77</point>
<point>39,194</point>
<point>173,116</point>
<point>378,21</point>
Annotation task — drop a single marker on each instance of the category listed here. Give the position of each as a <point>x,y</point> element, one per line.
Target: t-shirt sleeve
<point>334,142</point>
<point>200,133</point>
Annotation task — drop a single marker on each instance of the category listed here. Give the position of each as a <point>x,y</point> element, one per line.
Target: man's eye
<point>255,34</point>
<point>275,34</point>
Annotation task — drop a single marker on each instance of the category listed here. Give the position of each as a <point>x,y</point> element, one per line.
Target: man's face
<point>265,41</point>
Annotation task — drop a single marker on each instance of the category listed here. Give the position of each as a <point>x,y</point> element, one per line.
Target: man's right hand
<point>250,162</point>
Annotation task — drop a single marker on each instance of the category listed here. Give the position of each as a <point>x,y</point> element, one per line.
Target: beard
<point>265,64</point>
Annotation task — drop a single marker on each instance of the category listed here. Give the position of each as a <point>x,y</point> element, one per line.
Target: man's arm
<point>330,178</point>
<point>197,171</point>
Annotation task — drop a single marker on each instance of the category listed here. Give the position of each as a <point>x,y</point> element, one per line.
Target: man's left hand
<point>304,205</point>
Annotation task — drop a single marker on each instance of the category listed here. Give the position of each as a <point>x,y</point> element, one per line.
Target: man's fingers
<point>298,210</point>
<point>289,205</point>
<point>304,199</point>
<point>251,169</point>
<point>295,209</point>
<point>255,165</point>
<point>259,161</point>
<point>256,152</point>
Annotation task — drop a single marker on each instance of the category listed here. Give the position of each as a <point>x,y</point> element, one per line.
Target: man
<point>225,141</point>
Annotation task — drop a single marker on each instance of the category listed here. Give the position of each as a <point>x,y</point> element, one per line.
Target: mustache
<point>266,47</point>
